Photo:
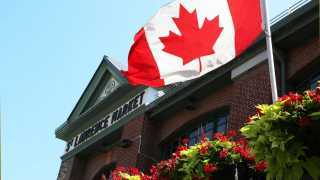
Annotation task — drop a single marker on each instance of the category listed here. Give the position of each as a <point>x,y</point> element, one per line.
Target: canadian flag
<point>189,38</point>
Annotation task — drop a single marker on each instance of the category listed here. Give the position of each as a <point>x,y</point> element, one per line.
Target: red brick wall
<point>95,163</point>
<point>122,156</point>
<point>150,151</point>
<point>132,131</point>
<point>248,90</point>
<point>213,101</point>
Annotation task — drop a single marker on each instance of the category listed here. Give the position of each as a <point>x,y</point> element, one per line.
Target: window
<point>105,172</point>
<point>309,82</point>
<point>314,81</point>
<point>215,123</point>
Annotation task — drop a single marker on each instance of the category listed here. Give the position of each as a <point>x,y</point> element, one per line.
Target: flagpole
<point>267,31</point>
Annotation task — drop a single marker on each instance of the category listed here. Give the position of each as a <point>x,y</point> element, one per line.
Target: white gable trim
<point>261,57</point>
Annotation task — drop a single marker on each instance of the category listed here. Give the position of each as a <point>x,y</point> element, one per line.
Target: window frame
<point>195,124</point>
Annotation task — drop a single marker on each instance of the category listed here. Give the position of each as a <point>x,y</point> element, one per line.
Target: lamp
<point>125,143</point>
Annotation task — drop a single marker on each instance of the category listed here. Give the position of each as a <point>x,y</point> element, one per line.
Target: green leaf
<point>296,172</point>
<point>315,115</point>
<point>279,174</point>
<point>312,165</point>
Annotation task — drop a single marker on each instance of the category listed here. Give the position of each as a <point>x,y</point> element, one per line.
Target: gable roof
<point>83,107</point>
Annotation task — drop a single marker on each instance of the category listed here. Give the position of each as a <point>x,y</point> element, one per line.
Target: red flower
<point>318,89</point>
<point>245,153</point>
<point>261,166</point>
<point>116,173</point>
<point>295,97</point>
<point>204,139</point>
<point>317,99</point>
<point>145,177</point>
<point>304,121</point>
<point>153,170</point>
<point>291,98</point>
<point>231,133</point>
<point>209,168</point>
<point>314,96</point>
<point>251,157</point>
<point>249,119</point>
<point>283,98</point>
<point>120,168</point>
<point>259,111</point>
<point>134,171</point>
<point>182,148</point>
<point>219,136</point>
<point>177,154</point>
<point>204,149</point>
<point>243,142</point>
<point>185,141</point>
<point>237,149</point>
<point>103,177</point>
<point>223,153</point>
<point>311,94</point>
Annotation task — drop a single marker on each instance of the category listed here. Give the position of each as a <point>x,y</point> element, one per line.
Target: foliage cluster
<point>287,135</point>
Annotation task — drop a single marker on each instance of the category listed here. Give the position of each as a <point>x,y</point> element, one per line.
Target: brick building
<point>114,123</point>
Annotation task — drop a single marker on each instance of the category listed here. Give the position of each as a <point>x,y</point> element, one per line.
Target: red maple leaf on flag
<point>193,42</point>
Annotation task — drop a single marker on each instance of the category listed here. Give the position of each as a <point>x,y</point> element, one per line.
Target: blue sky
<point>49,50</point>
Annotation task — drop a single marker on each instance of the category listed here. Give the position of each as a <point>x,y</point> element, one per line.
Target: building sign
<point>107,121</point>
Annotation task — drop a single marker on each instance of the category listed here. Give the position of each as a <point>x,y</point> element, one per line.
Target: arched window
<point>207,125</point>
<point>105,172</point>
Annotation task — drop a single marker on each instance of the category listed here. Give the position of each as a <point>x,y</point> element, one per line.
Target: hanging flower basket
<point>220,158</point>
<point>287,135</point>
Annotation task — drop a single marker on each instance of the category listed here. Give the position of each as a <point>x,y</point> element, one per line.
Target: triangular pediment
<point>106,81</point>
<point>110,86</point>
